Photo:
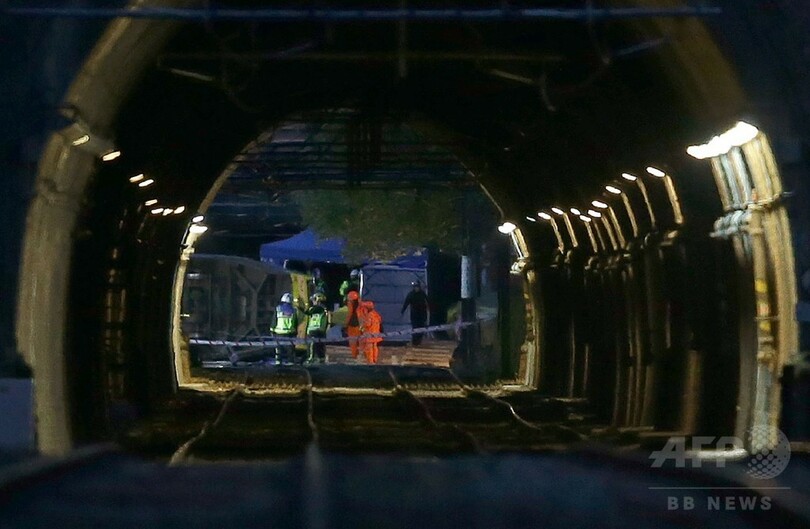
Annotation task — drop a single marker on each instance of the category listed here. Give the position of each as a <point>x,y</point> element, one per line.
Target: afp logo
<point>769,455</point>
<point>768,460</point>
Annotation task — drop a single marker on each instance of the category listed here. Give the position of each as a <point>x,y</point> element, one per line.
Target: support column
<point>469,334</point>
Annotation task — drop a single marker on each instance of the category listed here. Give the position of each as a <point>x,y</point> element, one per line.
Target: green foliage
<point>384,225</point>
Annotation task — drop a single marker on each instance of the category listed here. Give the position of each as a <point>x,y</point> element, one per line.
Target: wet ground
<point>582,488</point>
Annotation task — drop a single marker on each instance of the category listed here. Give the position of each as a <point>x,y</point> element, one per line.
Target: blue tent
<point>305,246</point>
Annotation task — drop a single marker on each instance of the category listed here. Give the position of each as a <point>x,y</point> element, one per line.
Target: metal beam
<point>335,154</point>
<point>367,56</point>
<point>312,184</point>
<point>497,14</point>
<point>275,144</point>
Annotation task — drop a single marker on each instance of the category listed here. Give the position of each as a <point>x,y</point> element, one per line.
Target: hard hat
<point>352,296</point>
<point>354,273</point>
<point>286,297</point>
<point>416,284</point>
<point>318,297</point>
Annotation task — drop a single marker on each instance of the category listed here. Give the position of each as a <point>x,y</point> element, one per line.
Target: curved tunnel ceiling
<point>559,113</point>
<point>557,110</point>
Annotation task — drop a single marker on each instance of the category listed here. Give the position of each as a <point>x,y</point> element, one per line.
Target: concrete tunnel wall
<point>108,77</point>
<point>104,82</point>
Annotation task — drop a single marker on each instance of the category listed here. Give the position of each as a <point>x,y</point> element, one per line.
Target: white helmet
<point>318,297</point>
<point>354,273</point>
<point>286,297</point>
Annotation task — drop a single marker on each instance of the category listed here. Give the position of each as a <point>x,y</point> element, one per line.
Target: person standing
<point>417,300</point>
<point>370,323</point>
<point>285,326</point>
<point>318,285</point>
<point>318,321</point>
<point>350,285</point>
<point>353,321</point>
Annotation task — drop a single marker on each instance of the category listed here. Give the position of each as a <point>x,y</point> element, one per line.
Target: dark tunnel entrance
<point>621,291</point>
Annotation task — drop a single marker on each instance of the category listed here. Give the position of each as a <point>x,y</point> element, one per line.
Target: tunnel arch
<point>482,181</point>
<point>95,99</point>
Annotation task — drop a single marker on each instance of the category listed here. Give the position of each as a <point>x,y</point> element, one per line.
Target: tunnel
<point>626,180</point>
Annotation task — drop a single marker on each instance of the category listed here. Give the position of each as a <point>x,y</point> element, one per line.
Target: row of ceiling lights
<point>142,181</point>
<point>584,214</point>
<point>738,135</point>
<point>598,204</point>
<point>103,149</point>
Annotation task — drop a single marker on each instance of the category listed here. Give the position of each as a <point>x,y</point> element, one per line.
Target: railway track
<point>403,416</point>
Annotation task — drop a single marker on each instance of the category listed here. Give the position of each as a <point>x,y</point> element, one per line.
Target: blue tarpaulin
<point>307,246</point>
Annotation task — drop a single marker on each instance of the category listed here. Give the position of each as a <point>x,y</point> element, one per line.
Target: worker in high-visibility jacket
<point>318,321</point>
<point>353,322</point>
<point>370,324</point>
<point>350,285</point>
<point>285,325</point>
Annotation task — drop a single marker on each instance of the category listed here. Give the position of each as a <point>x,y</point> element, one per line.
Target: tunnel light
<point>167,211</point>
<point>720,144</point>
<point>614,190</point>
<point>741,133</point>
<point>198,218</point>
<point>79,135</point>
<point>157,211</point>
<point>558,211</point>
<point>629,177</point>
<point>599,204</point>
<point>197,228</point>
<point>110,156</point>
<point>736,136</point>
<point>179,210</point>
<point>531,219</point>
<point>595,214</point>
<point>506,228</point>
<point>543,215</point>
<point>146,183</point>
<point>716,146</point>
<point>81,140</point>
<point>150,202</point>
<point>700,152</point>
<point>584,218</point>
<point>656,172</point>
<point>575,211</point>
<point>137,178</point>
